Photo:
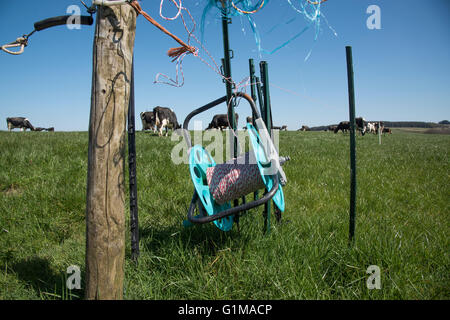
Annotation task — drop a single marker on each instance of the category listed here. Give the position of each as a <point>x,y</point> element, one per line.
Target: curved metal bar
<point>212,104</point>
<point>208,106</point>
<point>244,207</point>
<point>60,20</point>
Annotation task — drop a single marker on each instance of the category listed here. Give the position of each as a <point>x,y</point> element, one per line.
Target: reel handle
<point>60,20</point>
<point>212,104</point>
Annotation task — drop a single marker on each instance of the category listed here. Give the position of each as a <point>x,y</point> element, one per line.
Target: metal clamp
<point>21,42</point>
<point>91,10</point>
<point>109,3</point>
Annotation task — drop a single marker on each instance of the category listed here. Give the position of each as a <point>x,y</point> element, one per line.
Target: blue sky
<point>402,71</point>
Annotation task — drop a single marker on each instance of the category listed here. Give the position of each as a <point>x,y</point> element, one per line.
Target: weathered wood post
<point>105,208</point>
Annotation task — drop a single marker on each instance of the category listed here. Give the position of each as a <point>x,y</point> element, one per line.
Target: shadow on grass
<point>37,273</point>
<point>206,240</point>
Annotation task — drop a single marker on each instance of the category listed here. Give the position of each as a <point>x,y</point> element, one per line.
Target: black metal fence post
<point>134,223</point>
<point>227,73</point>
<point>253,80</point>
<point>266,115</point>
<point>226,63</point>
<point>252,83</point>
<point>351,98</point>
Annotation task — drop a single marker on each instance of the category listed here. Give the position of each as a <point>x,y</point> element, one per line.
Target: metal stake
<point>134,223</point>
<point>267,117</point>
<point>226,63</point>
<point>351,98</point>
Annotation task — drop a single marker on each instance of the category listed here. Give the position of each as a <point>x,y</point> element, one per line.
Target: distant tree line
<point>410,124</point>
<point>398,124</point>
<point>320,128</point>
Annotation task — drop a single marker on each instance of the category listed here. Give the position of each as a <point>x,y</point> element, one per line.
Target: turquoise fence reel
<point>199,161</point>
<point>263,165</point>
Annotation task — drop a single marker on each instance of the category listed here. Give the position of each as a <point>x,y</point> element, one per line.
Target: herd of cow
<point>23,124</point>
<point>362,126</point>
<point>161,119</point>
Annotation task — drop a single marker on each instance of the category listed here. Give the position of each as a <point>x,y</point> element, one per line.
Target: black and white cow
<point>361,125</point>
<point>220,121</point>
<point>379,126</point>
<point>345,125</point>
<point>44,129</point>
<point>165,118</point>
<point>332,128</point>
<point>148,121</point>
<point>19,122</point>
<point>249,120</point>
<point>304,128</point>
<point>371,127</point>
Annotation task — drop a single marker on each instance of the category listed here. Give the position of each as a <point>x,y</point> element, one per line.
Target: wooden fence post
<point>105,203</point>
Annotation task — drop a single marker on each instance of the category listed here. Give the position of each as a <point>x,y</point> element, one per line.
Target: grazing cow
<point>19,122</point>
<point>44,129</point>
<point>361,125</point>
<point>332,128</point>
<point>249,120</point>
<point>51,129</point>
<point>148,121</point>
<point>304,128</point>
<point>343,126</point>
<point>371,128</point>
<point>165,118</point>
<point>220,121</point>
<point>282,128</point>
<point>387,130</point>
<point>379,126</point>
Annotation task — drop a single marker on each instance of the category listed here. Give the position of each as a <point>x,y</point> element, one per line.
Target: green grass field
<point>402,223</point>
